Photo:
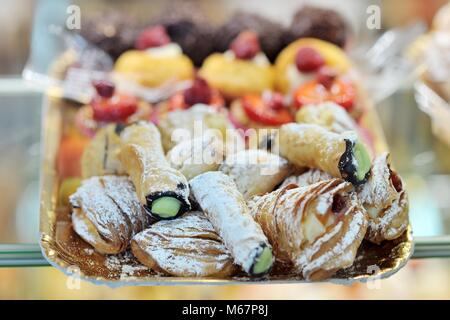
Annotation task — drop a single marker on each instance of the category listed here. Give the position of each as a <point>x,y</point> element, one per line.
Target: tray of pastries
<point>267,165</point>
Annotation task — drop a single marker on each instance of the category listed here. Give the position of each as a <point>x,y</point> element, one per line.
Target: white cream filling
<point>312,228</point>
<point>297,78</point>
<point>170,50</point>
<point>260,59</point>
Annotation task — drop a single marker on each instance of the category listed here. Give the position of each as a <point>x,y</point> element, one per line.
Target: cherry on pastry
<point>246,45</point>
<point>308,59</point>
<point>199,92</point>
<point>152,37</point>
<point>104,88</point>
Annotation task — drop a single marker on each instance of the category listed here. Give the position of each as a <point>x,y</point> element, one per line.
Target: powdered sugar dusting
<point>282,212</point>
<point>255,171</point>
<point>188,246</point>
<point>110,204</point>
<point>387,207</point>
<point>225,207</point>
<point>308,178</point>
<point>329,115</point>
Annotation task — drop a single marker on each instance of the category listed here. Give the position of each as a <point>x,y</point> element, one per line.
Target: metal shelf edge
<point>30,255</point>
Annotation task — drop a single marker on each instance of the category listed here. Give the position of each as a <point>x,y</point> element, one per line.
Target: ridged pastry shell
<point>107,214</point>
<point>184,247</point>
<point>306,232</point>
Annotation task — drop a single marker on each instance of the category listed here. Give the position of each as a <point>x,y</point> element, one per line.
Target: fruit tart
<point>109,106</point>
<point>300,62</point>
<point>243,69</point>
<point>266,110</point>
<point>199,91</point>
<point>155,61</point>
<point>180,125</point>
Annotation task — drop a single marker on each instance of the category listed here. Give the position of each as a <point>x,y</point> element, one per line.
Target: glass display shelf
<point>421,159</point>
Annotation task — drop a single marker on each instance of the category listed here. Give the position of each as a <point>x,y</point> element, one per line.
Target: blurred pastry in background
<point>69,155</point>
<point>109,106</point>
<point>441,20</point>
<point>156,59</point>
<point>243,69</point>
<point>198,92</point>
<point>327,114</point>
<point>180,125</point>
<point>107,213</point>
<point>189,28</point>
<point>185,247</point>
<point>269,32</point>
<point>112,31</point>
<point>320,23</point>
<point>327,88</point>
<point>266,110</point>
<point>305,60</point>
<point>432,50</point>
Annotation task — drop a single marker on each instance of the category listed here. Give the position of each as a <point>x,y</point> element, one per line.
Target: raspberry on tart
<point>108,106</point>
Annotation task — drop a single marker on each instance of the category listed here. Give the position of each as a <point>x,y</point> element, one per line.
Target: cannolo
<point>255,171</point>
<point>340,155</point>
<point>385,200</point>
<point>225,207</point>
<point>101,155</point>
<point>162,190</point>
<point>107,213</point>
<point>328,115</point>
<point>316,229</point>
<point>198,155</point>
<point>184,247</point>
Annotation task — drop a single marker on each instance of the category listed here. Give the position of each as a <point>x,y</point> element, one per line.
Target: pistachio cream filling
<point>263,262</point>
<point>166,207</point>
<point>362,159</point>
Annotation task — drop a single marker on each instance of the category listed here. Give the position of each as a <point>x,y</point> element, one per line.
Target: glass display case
<point>422,160</point>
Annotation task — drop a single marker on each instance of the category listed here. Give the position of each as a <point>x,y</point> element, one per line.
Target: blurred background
<point>421,158</point>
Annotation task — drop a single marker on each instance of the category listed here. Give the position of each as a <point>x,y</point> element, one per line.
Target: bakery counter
<point>421,158</point>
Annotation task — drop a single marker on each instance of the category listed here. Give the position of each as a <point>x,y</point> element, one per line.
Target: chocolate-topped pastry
<point>188,27</point>
<point>318,23</point>
<point>112,31</point>
<point>269,32</point>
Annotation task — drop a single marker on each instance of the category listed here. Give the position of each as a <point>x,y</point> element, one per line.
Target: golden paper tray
<point>66,251</point>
